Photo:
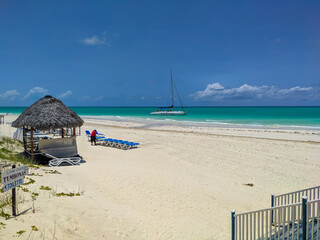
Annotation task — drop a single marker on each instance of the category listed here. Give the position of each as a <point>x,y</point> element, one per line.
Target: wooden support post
<point>31,136</point>
<point>62,132</point>
<point>24,134</point>
<point>74,131</point>
<point>14,201</point>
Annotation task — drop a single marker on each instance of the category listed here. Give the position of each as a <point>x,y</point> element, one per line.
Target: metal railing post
<point>272,205</point>
<point>233,212</point>
<point>304,218</point>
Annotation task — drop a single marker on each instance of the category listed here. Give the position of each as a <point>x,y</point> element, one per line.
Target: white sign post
<point>11,179</point>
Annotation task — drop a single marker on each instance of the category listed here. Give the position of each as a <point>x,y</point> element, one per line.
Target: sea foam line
<point>207,122</point>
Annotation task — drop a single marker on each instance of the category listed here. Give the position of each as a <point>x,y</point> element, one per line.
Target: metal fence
<point>295,197</point>
<point>293,221</point>
<point>313,218</point>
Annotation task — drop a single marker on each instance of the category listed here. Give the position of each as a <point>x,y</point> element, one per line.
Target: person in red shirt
<point>93,137</point>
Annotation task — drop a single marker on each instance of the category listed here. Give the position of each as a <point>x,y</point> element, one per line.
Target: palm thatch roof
<point>48,113</point>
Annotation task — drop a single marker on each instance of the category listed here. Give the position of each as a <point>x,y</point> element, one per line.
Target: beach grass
<point>11,152</point>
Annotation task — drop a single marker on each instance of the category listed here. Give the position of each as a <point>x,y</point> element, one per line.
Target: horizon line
<point>177,107</point>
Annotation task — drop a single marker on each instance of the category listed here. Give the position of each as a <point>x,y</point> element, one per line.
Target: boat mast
<point>172,90</point>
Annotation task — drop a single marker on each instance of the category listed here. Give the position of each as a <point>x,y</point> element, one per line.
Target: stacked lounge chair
<point>88,135</point>
<point>119,143</point>
<point>98,137</point>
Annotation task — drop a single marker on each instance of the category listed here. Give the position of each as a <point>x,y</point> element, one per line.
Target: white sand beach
<point>181,183</point>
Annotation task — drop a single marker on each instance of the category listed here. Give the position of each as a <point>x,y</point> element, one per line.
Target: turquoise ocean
<point>305,117</point>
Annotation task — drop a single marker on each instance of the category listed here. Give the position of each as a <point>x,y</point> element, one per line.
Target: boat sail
<point>170,110</point>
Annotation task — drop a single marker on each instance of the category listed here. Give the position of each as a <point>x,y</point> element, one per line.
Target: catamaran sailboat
<point>170,110</point>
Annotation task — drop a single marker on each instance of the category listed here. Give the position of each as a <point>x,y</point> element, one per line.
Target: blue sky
<point>119,53</point>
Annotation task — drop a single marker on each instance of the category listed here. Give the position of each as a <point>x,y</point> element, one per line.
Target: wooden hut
<point>47,114</point>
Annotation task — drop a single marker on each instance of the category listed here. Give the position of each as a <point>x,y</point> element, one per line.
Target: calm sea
<point>266,116</point>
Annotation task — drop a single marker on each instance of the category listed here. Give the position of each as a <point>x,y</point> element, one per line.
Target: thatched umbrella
<point>48,113</point>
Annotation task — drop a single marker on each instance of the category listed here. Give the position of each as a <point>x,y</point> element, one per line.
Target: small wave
<point>170,120</point>
<point>195,122</point>
<point>215,122</point>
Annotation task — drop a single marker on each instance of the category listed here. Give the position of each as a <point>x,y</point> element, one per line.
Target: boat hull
<point>171,113</point>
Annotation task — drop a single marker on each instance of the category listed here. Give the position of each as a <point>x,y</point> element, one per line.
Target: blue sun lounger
<point>99,136</point>
<point>129,145</point>
<point>119,143</point>
<point>107,141</point>
<point>88,135</point>
<point>114,143</point>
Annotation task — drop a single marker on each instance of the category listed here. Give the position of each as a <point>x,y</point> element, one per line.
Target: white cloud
<point>96,40</point>
<point>90,99</point>
<point>295,89</point>
<point>9,95</point>
<point>216,91</point>
<point>211,88</point>
<point>85,98</point>
<point>98,98</point>
<point>36,92</point>
<point>66,94</point>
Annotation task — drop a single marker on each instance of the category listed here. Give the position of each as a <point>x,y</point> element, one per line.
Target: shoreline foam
<point>301,135</point>
<point>207,123</point>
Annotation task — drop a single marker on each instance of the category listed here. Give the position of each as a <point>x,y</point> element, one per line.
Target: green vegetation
<point>31,181</point>
<point>52,172</point>
<point>3,214</point>
<point>3,204</point>
<point>67,194</point>
<point>25,189</point>
<point>34,228</point>
<point>34,194</point>
<point>45,188</point>
<point>6,141</point>
<point>21,232</point>
<point>2,225</point>
<point>9,150</point>
<point>35,174</point>
<point>5,200</point>
<point>35,166</point>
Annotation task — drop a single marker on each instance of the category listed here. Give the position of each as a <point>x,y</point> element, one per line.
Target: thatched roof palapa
<point>48,113</point>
